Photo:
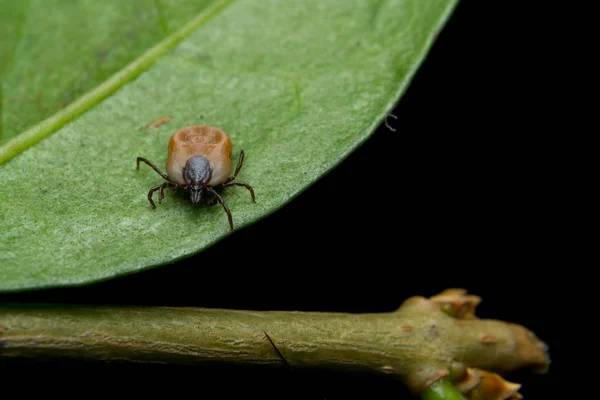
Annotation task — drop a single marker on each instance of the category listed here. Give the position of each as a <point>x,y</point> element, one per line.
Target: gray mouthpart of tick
<point>197,171</point>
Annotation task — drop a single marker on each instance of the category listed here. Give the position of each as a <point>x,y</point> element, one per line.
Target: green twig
<point>418,343</point>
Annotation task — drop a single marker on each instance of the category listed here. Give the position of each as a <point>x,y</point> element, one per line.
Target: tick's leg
<point>237,169</point>
<point>220,199</point>
<point>241,184</point>
<point>154,167</point>
<point>161,193</point>
<point>151,193</point>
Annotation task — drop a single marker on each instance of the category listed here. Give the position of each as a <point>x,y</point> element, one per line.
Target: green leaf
<point>297,84</point>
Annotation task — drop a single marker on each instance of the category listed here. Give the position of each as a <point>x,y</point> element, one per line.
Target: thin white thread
<point>388,125</point>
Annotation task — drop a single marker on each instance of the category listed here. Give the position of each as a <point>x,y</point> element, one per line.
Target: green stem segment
<point>442,390</point>
<point>418,343</point>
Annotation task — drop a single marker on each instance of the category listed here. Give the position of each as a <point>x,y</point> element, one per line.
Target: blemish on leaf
<point>406,328</point>
<point>102,55</point>
<point>203,57</point>
<point>54,106</point>
<point>157,123</point>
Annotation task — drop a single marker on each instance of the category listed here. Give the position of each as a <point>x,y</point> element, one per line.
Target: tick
<point>199,164</point>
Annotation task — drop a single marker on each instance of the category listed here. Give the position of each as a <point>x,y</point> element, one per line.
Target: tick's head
<point>195,193</point>
<point>196,174</point>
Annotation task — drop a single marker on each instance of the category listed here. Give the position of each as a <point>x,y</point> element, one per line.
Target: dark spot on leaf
<point>102,55</point>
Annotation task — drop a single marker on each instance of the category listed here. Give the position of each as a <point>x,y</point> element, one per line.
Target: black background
<point>471,208</point>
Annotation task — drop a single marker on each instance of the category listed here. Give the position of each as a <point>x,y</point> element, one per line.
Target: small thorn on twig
<point>388,125</point>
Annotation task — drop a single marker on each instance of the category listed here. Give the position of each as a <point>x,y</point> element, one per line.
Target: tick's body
<point>199,162</point>
<point>199,140</point>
